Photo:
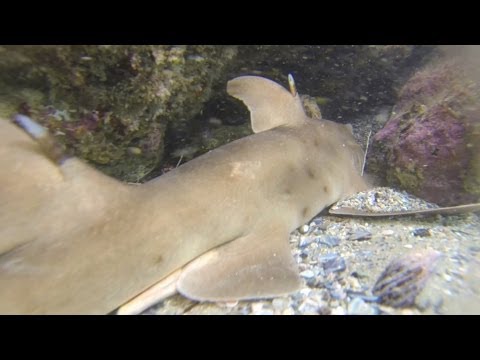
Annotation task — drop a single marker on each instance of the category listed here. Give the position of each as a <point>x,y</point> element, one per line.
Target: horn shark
<point>73,240</point>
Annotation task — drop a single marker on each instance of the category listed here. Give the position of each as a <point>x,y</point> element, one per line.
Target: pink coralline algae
<point>430,146</point>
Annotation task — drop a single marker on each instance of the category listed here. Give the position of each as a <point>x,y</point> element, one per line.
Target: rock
<point>430,146</point>
<point>102,100</point>
<point>345,80</point>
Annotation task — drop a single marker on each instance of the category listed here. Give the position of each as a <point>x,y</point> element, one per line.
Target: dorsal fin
<point>270,104</point>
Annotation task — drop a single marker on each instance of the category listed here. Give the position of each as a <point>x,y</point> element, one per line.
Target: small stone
<point>288,311</point>
<point>256,307</point>
<point>388,232</point>
<point>230,304</point>
<point>338,311</point>
<point>319,223</point>
<point>280,304</point>
<point>474,249</point>
<point>354,283</point>
<point>134,150</point>
<point>360,235</point>
<point>303,229</point>
<point>305,292</point>
<point>330,241</point>
<point>265,312</point>
<point>409,312</point>
<point>337,292</point>
<point>307,274</point>
<point>305,241</point>
<point>364,255</point>
<point>332,263</point>
<point>422,232</point>
<point>447,278</point>
<point>309,307</point>
<point>359,307</point>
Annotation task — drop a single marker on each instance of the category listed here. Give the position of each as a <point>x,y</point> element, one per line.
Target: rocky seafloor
<point>365,266</point>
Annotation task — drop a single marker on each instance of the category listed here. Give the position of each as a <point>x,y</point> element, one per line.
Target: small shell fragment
<point>405,277</point>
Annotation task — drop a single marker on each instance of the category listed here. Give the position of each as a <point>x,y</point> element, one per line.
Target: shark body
<point>73,240</point>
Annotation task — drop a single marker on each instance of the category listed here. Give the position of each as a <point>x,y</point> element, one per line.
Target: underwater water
<point>171,164</point>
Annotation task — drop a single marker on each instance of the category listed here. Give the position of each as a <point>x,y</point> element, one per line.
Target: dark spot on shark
<point>325,189</point>
<point>305,211</point>
<point>158,259</point>
<point>310,172</point>
<point>316,143</point>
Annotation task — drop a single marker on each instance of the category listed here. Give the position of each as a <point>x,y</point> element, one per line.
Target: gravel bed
<point>360,266</point>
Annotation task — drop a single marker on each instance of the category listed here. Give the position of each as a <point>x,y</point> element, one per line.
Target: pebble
<point>388,232</point>
<point>360,235</point>
<point>230,304</point>
<point>309,307</point>
<point>359,307</point>
<point>303,229</point>
<point>447,278</point>
<point>338,294</point>
<point>288,311</point>
<point>305,241</point>
<point>422,232</point>
<point>281,304</point>
<point>474,249</point>
<point>330,241</point>
<point>319,223</point>
<point>134,150</point>
<point>338,311</point>
<point>354,283</point>
<point>337,291</point>
<point>257,307</point>
<point>307,274</point>
<point>264,312</point>
<point>332,263</point>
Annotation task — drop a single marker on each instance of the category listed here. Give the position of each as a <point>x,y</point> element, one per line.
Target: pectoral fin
<point>258,265</point>
<point>151,296</point>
